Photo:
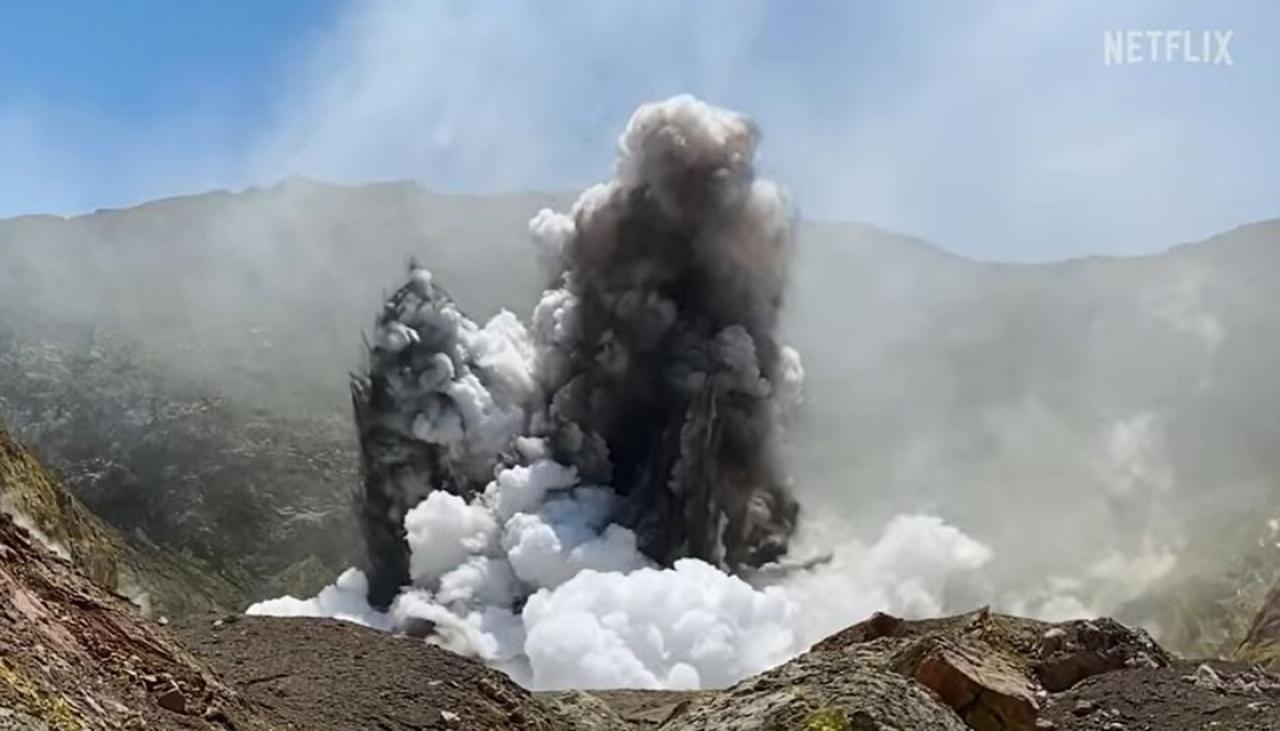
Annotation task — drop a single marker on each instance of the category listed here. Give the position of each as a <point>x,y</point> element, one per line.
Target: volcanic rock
<point>72,654</point>
<point>1262,644</point>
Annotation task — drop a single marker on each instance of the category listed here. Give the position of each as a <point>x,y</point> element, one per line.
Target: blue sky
<point>993,129</point>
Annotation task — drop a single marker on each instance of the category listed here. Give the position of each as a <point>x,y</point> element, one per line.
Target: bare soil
<point>326,674</point>
<point>1169,699</point>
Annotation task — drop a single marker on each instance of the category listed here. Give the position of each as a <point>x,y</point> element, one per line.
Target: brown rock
<point>1084,707</point>
<point>1073,651</point>
<point>984,688</point>
<point>876,626</point>
<point>78,655</point>
<point>172,700</point>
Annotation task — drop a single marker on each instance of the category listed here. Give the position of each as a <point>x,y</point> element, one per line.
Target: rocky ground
<point>162,582</point>
<point>75,655</point>
<point>1181,697</point>
<point>981,671</point>
<point>326,674</point>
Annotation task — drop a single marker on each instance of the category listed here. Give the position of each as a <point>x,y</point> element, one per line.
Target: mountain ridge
<point>403,186</point>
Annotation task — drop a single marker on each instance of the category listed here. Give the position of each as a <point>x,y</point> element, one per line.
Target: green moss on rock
<point>54,711</point>
<point>35,496</point>
<point>160,582</point>
<point>829,719</point>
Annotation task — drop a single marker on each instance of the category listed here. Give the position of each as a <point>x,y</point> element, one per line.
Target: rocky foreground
<point>76,655</point>
<point>980,670</point>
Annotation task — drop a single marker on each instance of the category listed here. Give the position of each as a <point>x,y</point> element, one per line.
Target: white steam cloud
<point>607,618</point>
<point>535,573</point>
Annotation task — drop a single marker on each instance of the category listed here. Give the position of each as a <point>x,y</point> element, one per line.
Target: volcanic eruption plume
<point>581,501</point>
<point>651,371</point>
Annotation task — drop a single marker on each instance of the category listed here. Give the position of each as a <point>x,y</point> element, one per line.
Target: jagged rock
<point>993,669</point>
<point>35,499</point>
<point>76,656</point>
<point>985,689</point>
<point>156,580</point>
<point>972,671</point>
<point>1073,651</point>
<point>173,700</point>
<point>1261,645</point>
<point>820,691</point>
<point>589,711</point>
<point>211,504</point>
<point>1109,673</point>
<point>978,664</point>
<point>1084,708</point>
<point>1206,677</point>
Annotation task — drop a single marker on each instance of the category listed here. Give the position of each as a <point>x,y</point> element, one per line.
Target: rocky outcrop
<point>161,582</point>
<point>1207,604</point>
<point>218,503</point>
<point>820,692</point>
<point>986,689</point>
<point>74,656</point>
<point>1262,644</point>
<point>34,499</point>
<point>991,672</point>
<point>982,671</point>
<point>73,653</point>
<point>1072,651</point>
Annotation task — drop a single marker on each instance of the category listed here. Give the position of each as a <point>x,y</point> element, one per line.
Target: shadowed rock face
<point>74,655</point>
<point>160,582</point>
<point>35,499</point>
<point>1262,644</point>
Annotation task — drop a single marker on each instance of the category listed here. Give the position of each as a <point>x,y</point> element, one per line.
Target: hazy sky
<point>993,129</point>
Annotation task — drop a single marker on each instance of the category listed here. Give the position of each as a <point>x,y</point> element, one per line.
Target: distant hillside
<point>1103,419</point>
<point>265,292</point>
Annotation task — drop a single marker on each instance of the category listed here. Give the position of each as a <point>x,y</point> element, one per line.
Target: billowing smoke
<point>597,500</point>
<point>653,366</point>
